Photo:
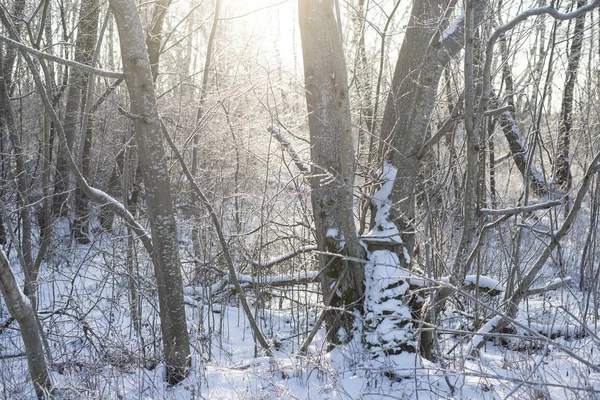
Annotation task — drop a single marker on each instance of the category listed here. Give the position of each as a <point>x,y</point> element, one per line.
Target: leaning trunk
<point>20,309</point>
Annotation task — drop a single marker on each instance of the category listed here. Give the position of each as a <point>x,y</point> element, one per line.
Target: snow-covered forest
<point>299,199</point>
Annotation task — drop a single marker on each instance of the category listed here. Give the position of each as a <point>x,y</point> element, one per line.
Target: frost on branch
<point>285,143</point>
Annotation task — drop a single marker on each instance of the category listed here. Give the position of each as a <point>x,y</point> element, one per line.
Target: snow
<point>102,363</point>
<point>458,21</point>
<point>384,230</point>
<point>481,333</point>
<point>485,282</point>
<point>333,233</point>
<point>387,329</point>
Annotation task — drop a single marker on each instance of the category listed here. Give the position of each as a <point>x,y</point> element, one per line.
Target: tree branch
<point>70,63</point>
<point>521,209</point>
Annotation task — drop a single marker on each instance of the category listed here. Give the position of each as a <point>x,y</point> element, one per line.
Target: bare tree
<point>167,266</point>
<point>76,102</point>
<point>332,157</point>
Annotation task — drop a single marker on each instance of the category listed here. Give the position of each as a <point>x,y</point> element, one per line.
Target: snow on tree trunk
<point>388,329</point>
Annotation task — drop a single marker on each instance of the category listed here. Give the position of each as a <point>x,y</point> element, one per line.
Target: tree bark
<point>7,122</point>
<point>84,47</point>
<point>155,35</point>
<point>167,265</point>
<point>403,129</point>
<point>332,157</point>
<point>519,153</point>
<point>562,174</point>
<point>76,98</point>
<point>20,309</point>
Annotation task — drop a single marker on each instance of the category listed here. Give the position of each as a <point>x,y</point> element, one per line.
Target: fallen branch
<point>285,143</point>
<point>555,284</point>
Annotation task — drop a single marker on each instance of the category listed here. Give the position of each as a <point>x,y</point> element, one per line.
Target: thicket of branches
<point>183,154</point>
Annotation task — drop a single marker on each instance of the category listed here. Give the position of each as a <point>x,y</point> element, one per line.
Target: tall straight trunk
<point>473,128</point>
<point>562,173</point>
<point>21,310</point>
<point>199,115</point>
<point>362,70</point>
<point>77,98</point>
<point>155,35</point>
<point>8,125</point>
<point>332,157</point>
<point>84,47</point>
<point>167,265</point>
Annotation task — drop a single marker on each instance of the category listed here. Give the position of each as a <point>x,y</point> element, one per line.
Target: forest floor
<point>97,353</point>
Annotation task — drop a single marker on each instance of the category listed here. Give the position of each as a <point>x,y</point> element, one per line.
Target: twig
<point>498,111</point>
<point>274,261</point>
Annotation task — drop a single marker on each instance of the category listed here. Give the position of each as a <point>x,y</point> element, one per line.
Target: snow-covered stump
<point>388,331</point>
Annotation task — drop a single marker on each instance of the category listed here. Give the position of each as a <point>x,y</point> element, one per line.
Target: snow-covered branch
<point>285,143</point>
<point>555,284</point>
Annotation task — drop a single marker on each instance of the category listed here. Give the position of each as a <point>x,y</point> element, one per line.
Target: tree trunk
<point>409,108</point>
<point>84,48</point>
<point>519,153</point>
<point>562,174</point>
<point>167,266</point>
<point>199,115</point>
<point>332,157</point>
<point>20,309</point>
<point>413,71</point>
<point>7,122</point>
<point>154,36</point>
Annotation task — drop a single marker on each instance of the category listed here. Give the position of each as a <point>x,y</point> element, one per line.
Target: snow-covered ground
<point>97,354</point>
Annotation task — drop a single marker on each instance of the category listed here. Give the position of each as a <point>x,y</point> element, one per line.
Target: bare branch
<point>50,57</point>
<point>498,111</point>
<point>520,209</point>
<point>224,246</point>
<point>285,143</point>
<point>282,258</point>
<point>555,284</point>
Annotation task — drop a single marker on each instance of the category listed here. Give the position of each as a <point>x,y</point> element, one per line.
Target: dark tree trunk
<point>562,174</point>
